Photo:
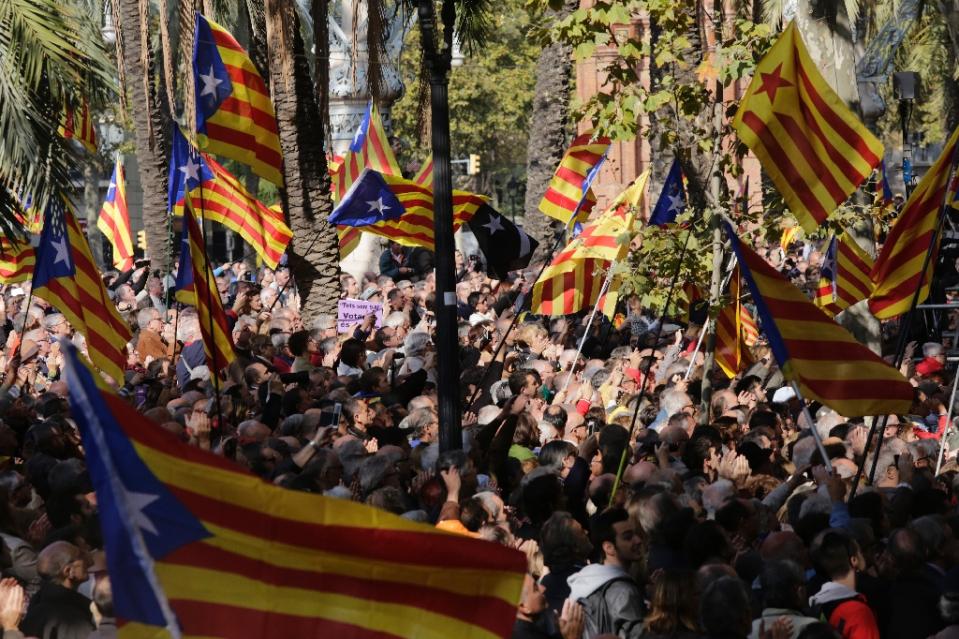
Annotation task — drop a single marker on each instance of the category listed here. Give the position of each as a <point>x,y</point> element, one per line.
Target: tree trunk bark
<point>549,133</point>
<point>314,256</point>
<point>149,126</point>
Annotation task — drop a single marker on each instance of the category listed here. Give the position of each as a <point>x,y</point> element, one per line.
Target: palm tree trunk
<point>549,132</point>
<point>147,108</point>
<point>314,257</point>
<point>91,207</point>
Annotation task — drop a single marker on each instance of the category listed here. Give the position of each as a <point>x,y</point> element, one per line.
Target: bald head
<point>62,562</point>
<point>784,545</point>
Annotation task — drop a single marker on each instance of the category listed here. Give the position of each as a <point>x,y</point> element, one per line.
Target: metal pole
<point>945,431</point>
<point>446,335</point>
<point>589,324</point>
<point>812,427</point>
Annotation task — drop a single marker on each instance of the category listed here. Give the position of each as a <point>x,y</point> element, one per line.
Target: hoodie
<point>611,601</point>
<point>846,611</point>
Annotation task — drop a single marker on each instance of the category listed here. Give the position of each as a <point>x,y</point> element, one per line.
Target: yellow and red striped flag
<point>196,285</point>
<point>203,548</point>
<point>398,209</point>
<point>234,114</point>
<point>750,328</point>
<point>424,176</point>
<point>826,362</point>
<point>114,220</point>
<point>574,279</point>
<point>17,260</point>
<point>897,270</point>
<point>811,145</point>
<point>569,196</point>
<point>67,277</point>
<point>220,197</point>
<point>844,278</point>
<point>730,354</point>
<point>370,149</point>
<point>78,125</point>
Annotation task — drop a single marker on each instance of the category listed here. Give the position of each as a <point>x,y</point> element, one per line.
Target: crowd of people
<point>726,523</point>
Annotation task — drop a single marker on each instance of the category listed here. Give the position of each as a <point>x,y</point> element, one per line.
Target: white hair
<point>396,319</point>
<point>415,343</point>
<point>716,495</point>
<point>674,401</point>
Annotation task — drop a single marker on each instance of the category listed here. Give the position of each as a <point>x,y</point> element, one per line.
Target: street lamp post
<point>447,347</point>
<point>905,86</point>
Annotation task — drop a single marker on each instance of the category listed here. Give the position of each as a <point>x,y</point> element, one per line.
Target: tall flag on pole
<point>813,351</point>
<point>672,199</point>
<point>897,271</point>
<point>569,197</point>
<point>203,548</point>
<point>398,209</point>
<point>234,114</point>
<point>574,279</point>
<point>811,145</point>
<point>729,354</point>
<point>370,148</point>
<point>17,260</point>
<point>77,124</point>
<point>114,220</point>
<point>196,285</point>
<point>220,197</point>
<point>844,278</point>
<point>67,277</point>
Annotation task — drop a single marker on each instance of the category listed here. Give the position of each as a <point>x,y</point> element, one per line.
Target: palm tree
<point>50,54</point>
<point>314,258</point>
<point>549,129</point>
<point>146,101</point>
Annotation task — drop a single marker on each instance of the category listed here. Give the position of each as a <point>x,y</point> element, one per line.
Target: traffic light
<point>142,239</point>
<point>473,167</point>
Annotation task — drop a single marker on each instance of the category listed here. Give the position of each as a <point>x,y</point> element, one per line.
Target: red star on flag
<point>772,82</point>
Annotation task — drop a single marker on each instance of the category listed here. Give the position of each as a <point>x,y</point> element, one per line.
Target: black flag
<point>506,246</point>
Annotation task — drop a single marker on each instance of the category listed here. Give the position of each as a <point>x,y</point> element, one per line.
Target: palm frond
<point>474,23</point>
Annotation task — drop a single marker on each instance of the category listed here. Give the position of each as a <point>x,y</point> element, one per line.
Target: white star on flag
<point>675,202</point>
<point>378,205</point>
<point>136,502</point>
<point>191,170</point>
<point>494,224</point>
<point>210,83</point>
<point>62,249</point>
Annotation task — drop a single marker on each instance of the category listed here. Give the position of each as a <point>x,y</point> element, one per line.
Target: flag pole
<point>592,315</point>
<point>812,427</point>
<point>904,325</point>
<point>642,386</point>
<point>945,430</point>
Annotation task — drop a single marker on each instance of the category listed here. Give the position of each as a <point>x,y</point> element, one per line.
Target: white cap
<point>783,395</point>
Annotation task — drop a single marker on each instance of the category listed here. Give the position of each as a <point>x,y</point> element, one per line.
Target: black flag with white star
<point>506,246</point>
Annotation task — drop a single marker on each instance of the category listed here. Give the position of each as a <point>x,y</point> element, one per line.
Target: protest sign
<point>349,313</point>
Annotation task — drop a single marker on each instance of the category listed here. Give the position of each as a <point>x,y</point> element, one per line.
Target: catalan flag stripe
<point>810,144</point>
<point>847,280</point>
<point>17,260</point>
<point>827,363</point>
<point>77,124</point>
<point>728,353</point>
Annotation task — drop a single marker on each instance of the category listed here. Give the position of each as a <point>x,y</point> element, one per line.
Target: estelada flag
<point>234,113</point>
<point>199,547</point>
<point>844,277</point>
<point>729,353</point>
<point>815,352</point>
<point>811,145</point>
<point>898,268</point>
<point>114,219</point>
<point>17,260</point>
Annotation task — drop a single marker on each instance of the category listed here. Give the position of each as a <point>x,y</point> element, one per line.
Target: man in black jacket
<point>58,610</point>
